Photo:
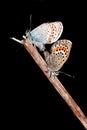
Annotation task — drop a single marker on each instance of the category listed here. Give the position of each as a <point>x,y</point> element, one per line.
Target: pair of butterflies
<point>49,33</point>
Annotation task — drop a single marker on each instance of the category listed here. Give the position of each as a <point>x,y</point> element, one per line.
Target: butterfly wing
<point>47,32</point>
<point>59,54</point>
<point>56,29</point>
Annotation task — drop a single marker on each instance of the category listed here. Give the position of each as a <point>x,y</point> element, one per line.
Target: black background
<point>29,98</point>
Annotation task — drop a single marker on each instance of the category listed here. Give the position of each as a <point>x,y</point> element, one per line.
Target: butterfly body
<point>46,33</point>
<point>58,55</point>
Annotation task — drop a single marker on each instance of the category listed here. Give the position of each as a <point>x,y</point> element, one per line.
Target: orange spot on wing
<point>49,39</point>
<point>60,48</point>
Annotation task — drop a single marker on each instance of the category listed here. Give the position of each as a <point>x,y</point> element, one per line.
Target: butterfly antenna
<point>30,21</point>
<point>27,32</point>
<point>67,74</point>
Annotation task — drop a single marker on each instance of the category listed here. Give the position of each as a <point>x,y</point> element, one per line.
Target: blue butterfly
<point>46,33</point>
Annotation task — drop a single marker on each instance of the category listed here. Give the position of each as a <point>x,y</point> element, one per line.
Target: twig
<point>13,38</point>
<point>54,80</point>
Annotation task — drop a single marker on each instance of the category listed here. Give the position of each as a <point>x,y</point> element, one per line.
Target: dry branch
<point>54,80</point>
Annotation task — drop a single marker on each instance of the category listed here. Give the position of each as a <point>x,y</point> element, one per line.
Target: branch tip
<point>17,40</point>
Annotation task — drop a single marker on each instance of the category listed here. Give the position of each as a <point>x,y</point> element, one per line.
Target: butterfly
<point>46,33</point>
<point>59,53</point>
